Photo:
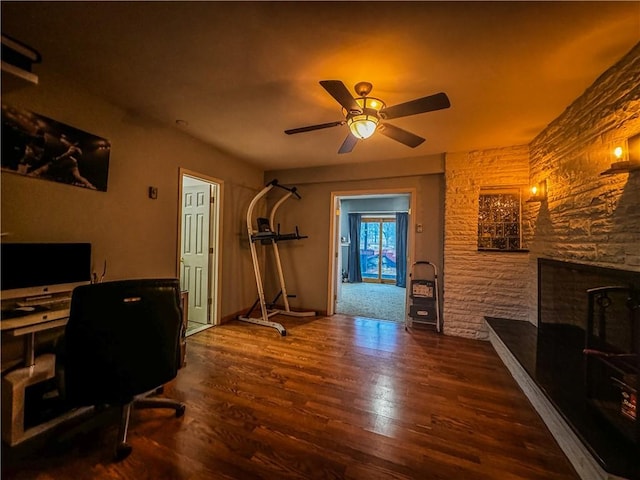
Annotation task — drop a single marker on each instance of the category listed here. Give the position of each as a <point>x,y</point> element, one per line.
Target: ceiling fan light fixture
<point>365,115</point>
<point>362,126</point>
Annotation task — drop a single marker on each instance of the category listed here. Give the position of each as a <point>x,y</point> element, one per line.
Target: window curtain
<point>402,220</point>
<point>354,274</point>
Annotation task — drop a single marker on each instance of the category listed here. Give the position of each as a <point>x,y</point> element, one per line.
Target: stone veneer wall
<point>590,218</point>
<point>587,218</point>
<point>479,284</point>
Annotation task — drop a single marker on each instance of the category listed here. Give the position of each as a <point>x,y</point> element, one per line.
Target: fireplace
<point>579,366</point>
<point>586,356</point>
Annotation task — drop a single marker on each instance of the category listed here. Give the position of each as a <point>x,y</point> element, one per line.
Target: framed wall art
<point>40,147</point>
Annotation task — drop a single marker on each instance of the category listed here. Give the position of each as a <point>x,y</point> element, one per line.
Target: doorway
<point>199,248</point>
<point>379,291</point>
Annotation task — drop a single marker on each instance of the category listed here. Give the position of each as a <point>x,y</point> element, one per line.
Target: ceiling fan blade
<point>348,144</point>
<point>420,105</point>
<point>314,127</point>
<point>400,135</point>
<point>338,91</point>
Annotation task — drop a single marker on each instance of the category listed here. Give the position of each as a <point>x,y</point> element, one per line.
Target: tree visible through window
<point>499,219</point>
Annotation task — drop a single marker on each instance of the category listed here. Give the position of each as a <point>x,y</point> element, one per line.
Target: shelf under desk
<point>19,322</point>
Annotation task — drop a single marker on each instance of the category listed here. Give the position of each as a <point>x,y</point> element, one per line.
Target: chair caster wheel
<point>180,411</point>
<point>123,450</point>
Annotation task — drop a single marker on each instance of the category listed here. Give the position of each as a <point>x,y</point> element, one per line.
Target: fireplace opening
<point>583,357</point>
<point>586,358</point>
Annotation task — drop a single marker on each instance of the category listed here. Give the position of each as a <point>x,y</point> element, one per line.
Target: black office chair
<point>121,344</point>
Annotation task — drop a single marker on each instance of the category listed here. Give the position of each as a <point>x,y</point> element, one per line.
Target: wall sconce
<point>625,156</point>
<point>538,192</point>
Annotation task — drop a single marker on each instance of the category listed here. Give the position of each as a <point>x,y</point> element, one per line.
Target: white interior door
<point>195,251</point>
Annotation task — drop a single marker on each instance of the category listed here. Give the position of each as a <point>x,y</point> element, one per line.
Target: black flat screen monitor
<point>37,268</point>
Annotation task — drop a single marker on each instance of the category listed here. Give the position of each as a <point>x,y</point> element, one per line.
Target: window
<point>378,249</point>
<point>499,219</point>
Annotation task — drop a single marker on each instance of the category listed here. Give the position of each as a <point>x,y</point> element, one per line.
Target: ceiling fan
<point>364,115</point>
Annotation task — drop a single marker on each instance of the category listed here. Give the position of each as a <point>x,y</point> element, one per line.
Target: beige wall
<point>305,262</point>
<point>136,236</point>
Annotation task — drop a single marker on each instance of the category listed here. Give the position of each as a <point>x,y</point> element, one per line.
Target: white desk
<point>29,325</point>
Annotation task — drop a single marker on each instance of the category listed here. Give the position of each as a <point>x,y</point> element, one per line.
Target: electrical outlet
<point>153,193</point>
<point>418,228</point>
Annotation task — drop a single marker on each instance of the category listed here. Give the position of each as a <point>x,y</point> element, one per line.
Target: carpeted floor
<point>372,300</point>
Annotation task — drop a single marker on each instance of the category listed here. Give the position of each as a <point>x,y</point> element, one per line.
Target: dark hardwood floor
<point>336,398</point>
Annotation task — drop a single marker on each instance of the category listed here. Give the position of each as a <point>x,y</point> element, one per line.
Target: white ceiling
<point>240,73</point>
